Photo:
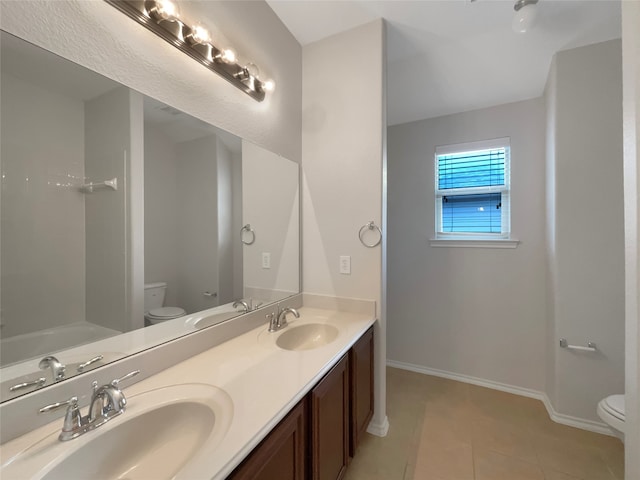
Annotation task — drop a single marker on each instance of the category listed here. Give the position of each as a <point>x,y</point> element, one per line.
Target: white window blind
<point>472,189</point>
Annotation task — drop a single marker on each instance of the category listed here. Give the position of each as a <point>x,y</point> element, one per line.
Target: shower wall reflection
<point>59,241</point>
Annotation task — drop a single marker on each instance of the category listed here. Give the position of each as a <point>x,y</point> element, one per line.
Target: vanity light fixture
<point>163,18</point>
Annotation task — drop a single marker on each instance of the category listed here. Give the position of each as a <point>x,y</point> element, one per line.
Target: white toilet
<point>154,311</point>
<point>611,411</point>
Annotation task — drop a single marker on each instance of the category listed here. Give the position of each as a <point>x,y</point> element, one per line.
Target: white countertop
<point>263,381</point>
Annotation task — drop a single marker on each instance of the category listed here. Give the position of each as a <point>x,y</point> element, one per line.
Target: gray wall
<point>498,314</point>
<point>473,311</point>
<point>550,96</point>
<point>160,212</point>
<point>197,212</point>
<point>181,189</point>
<point>631,114</point>
<point>270,204</point>
<point>226,264</point>
<point>586,250</point>
<point>344,124</point>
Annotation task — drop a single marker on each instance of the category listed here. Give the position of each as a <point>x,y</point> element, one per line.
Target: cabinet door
<point>330,424</point>
<point>361,364</point>
<point>281,455</point>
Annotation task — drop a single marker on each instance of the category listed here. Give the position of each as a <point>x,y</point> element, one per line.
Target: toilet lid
<point>615,404</point>
<point>166,312</point>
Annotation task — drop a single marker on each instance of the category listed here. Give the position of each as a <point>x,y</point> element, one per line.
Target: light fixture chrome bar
<point>175,32</point>
<point>523,3</point>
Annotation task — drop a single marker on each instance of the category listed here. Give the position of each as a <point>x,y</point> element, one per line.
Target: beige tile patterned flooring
<point>446,430</point>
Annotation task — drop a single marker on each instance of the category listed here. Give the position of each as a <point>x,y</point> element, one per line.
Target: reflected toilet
<point>154,310</point>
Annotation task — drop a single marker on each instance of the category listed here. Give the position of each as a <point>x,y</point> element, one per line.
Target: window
<point>472,190</point>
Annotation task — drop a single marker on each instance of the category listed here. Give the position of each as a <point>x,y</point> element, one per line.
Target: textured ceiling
<point>452,56</point>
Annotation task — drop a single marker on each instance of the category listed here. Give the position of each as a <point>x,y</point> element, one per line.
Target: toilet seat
<point>165,313</point>
<point>614,405</point>
<point>612,412</point>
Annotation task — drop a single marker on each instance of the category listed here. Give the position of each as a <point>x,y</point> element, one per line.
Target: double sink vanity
<point>294,401</point>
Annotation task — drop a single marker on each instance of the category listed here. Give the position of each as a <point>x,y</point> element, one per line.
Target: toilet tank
<point>154,295</point>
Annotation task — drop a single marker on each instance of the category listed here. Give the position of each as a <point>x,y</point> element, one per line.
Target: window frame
<point>485,238</point>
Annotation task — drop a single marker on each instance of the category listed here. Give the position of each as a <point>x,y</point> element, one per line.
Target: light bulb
<point>228,56</point>
<point>199,35</point>
<point>268,85</point>
<point>525,15</point>
<point>253,70</point>
<point>165,10</point>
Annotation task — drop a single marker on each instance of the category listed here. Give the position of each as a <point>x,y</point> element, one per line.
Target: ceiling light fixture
<point>525,15</point>
<point>163,18</point>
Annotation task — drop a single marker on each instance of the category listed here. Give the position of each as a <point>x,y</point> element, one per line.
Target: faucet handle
<point>72,425</point>
<point>272,319</point>
<point>84,365</point>
<point>72,402</point>
<point>126,377</point>
<point>254,304</point>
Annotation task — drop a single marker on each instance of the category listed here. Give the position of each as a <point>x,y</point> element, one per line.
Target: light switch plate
<point>345,264</point>
<point>266,260</point>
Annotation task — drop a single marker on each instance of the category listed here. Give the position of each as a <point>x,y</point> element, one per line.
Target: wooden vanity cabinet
<point>317,438</point>
<point>361,383</point>
<point>282,455</point>
<point>329,402</point>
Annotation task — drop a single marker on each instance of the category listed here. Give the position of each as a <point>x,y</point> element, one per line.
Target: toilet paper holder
<point>591,346</point>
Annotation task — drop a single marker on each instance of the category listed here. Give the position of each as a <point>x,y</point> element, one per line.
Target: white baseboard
<point>577,422</point>
<point>379,429</point>
<point>583,423</point>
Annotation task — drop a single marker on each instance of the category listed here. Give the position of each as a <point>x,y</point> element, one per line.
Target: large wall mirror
<point>125,222</point>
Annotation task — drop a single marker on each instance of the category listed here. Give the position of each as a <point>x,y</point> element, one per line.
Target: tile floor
<point>446,430</point>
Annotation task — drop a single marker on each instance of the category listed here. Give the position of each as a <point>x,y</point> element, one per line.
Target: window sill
<point>474,243</point>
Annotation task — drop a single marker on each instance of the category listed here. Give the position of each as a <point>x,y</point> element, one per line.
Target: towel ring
<point>247,228</point>
<point>369,226</point>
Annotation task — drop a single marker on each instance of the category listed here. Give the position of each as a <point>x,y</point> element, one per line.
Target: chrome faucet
<point>106,402</point>
<point>277,321</point>
<point>57,368</point>
<point>253,305</point>
<point>245,305</point>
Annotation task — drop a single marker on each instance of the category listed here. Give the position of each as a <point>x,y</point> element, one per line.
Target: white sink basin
<point>213,316</point>
<point>214,319</point>
<point>306,337</point>
<point>161,433</point>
